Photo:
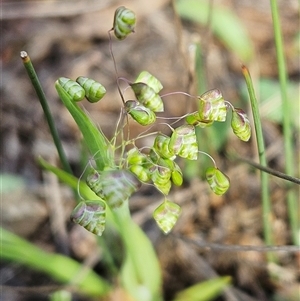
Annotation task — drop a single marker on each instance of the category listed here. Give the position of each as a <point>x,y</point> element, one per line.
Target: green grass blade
<point>204,291</point>
<point>42,98</point>
<point>141,274</point>
<point>293,205</point>
<point>266,203</point>
<point>94,139</point>
<point>225,25</point>
<point>68,179</point>
<point>59,267</point>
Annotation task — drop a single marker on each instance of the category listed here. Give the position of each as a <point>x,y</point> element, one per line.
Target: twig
<point>239,248</point>
<point>269,170</point>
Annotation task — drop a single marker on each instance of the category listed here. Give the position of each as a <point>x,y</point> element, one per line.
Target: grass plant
<point>140,273</point>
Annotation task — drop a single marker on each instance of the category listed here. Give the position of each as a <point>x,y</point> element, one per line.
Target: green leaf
<point>204,291</point>
<point>68,179</point>
<point>94,139</point>
<point>225,25</point>
<point>59,267</point>
<point>141,274</point>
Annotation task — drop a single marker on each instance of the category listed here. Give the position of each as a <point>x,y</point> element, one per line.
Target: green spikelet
<point>212,106</point>
<point>135,157</point>
<point>114,186</point>
<point>140,172</point>
<point>218,181</point>
<point>161,177</point>
<point>94,91</point>
<point>176,175</point>
<point>93,180</point>
<point>118,186</point>
<point>147,96</point>
<point>90,215</point>
<point>194,119</point>
<point>140,113</point>
<point>147,78</point>
<point>124,22</point>
<point>240,124</point>
<point>161,147</point>
<point>139,164</point>
<point>76,92</point>
<point>184,142</point>
<point>166,215</point>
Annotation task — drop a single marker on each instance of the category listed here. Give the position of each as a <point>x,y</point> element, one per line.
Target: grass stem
<point>42,98</point>
<point>293,207</point>
<point>266,204</point>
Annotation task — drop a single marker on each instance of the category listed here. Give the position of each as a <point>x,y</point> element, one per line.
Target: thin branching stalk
<point>236,248</point>
<point>269,170</point>
<point>266,204</point>
<point>42,98</point>
<point>287,124</point>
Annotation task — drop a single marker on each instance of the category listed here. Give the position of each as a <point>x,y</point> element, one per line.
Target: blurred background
<point>70,38</point>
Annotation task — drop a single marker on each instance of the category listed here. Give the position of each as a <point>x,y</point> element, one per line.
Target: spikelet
<point>76,92</point>
<point>140,113</point>
<point>195,120</point>
<point>147,78</point>
<point>94,91</point>
<point>212,106</point>
<point>161,147</point>
<point>90,215</point>
<point>135,157</point>
<point>113,186</point>
<point>124,22</point>
<point>166,215</point>
<point>176,175</point>
<point>118,186</point>
<point>218,181</point>
<point>184,142</point>
<point>139,164</point>
<point>147,96</point>
<point>240,124</point>
<point>161,175</point>
<point>93,180</point>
